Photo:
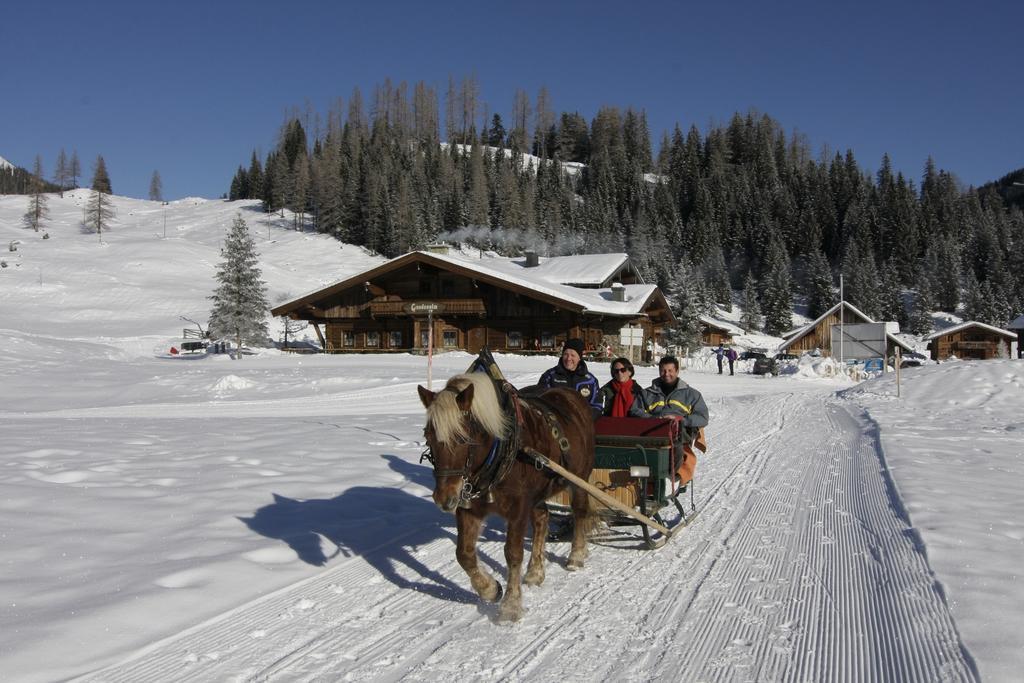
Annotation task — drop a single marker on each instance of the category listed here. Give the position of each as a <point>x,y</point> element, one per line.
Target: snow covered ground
<point>199,518</point>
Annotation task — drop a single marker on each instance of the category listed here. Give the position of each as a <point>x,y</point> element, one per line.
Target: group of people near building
<point>668,396</point>
<point>723,354</point>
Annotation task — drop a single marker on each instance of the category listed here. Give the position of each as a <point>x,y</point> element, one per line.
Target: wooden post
<point>899,360</point>
<point>320,336</point>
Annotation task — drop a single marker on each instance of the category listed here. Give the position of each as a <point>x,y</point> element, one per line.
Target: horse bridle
<point>497,464</point>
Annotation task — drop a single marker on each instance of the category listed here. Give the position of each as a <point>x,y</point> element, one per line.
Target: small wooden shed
<point>1018,327</point>
<point>818,334</point>
<point>714,332</point>
<point>971,340</point>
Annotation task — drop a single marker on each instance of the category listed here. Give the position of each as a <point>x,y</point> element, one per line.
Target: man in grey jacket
<point>669,396</point>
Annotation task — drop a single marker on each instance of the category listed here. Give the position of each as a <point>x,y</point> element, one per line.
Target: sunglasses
<point>617,370</point>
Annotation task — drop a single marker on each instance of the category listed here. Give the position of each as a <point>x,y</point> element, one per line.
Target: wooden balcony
<point>452,307</point>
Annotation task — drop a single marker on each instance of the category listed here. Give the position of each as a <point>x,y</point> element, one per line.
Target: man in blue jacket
<point>572,372</point>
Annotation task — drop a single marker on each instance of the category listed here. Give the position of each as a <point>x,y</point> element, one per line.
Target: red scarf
<point>623,398</point>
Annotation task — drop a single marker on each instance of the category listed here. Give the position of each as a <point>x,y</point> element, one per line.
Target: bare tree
<point>62,173</point>
<point>156,187</point>
<point>99,210</point>
<point>74,168</point>
<point>37,209</point>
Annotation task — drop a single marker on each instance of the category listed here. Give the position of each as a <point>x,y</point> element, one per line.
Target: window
<point>424,338</point>
<point>372,339</point>
<point>348,338</point>
<point>547,340</point>
<point>395,339</point>
<point>451,339</point>
<point>515,340</point>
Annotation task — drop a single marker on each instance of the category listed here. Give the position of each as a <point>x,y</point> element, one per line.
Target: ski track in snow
<point>800,567</point>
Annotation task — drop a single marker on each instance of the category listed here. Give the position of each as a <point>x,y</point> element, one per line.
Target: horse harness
<point>502,456</point>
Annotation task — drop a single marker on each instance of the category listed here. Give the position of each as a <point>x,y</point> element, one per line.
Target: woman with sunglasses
<point>622,397</point>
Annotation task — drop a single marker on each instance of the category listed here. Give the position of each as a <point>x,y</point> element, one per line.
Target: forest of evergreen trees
<point>16,180</point>
<point>740,206</point>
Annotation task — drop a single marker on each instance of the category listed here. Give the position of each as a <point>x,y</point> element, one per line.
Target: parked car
<point>752,355</point>
<point>765,366</point>
<point>786,356</point>
<point>912,359</point>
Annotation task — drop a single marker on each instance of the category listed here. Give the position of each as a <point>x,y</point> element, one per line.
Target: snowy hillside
<point>202,518</point>
<point>5,164</point>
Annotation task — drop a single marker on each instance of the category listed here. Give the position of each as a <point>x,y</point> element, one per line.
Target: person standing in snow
<point>731,355</point>
<point>669,396</point>
<point>622,397</point>
<point>571,372</point>
<point>719,356</point>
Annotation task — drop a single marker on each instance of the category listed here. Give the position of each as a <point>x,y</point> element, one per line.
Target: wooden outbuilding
<point>1018,327</point>
<point>714,332</point>
<point>970,340</point>
<point>529,304</point>
<point>818,334</point>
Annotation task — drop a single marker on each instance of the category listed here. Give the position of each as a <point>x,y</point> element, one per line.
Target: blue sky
<point>190,89</point>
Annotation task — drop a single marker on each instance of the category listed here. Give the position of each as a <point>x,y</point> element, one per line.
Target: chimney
<point>531,259</point>
<point>618,292</point>
<point>437,248</point>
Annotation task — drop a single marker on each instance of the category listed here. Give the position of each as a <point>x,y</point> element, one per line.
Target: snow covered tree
<point>818,284</point>
<point>751,318</point>
<point>156,187</point>
<point>920,317</point>
<point>776,292</point>
<point>685,305</point>
<point>37,209</point>
<point>240,301</point>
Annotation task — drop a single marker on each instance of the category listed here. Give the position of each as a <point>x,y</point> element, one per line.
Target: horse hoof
<point>574,565</point>
<point>498,592</point>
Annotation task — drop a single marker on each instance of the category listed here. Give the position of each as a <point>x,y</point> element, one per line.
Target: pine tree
<point>37,202</point>
<point>99,210</point>
<point>776,292</point>
<point>920,317</point>
<point>818,287</point>
<point>239,301</point>
<point>156,188</point>
<point>751,318</point>
<point>100,178</point>
<point>685,334</point>
<point>890,301</point>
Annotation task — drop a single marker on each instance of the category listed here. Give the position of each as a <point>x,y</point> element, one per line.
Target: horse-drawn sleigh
<point>496,450</point>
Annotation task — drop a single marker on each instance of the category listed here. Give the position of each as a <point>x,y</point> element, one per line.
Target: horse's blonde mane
<point>445,416</point>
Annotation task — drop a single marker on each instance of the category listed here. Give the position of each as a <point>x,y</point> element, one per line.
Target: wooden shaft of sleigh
<point>595,492</point>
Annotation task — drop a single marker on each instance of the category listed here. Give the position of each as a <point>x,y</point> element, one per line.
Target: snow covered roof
<point>965,325</point>
<point>582,270</point>
<point>721,324</point>
<point>541,282</point>
<point>5,164</point>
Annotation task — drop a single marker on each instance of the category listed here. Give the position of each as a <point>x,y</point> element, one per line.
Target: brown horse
<point>476,449</point>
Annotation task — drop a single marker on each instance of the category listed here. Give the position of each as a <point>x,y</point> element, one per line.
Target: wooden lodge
<point>818,334</point>
<point>522,305</point>
<point>971,340</point>
<point>714,332</point>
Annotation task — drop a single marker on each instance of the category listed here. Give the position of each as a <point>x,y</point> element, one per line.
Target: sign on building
<point>631,336</point>
<point>859,341</point>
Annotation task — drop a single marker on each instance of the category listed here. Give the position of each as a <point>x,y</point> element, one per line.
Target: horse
<point>475,446</point>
